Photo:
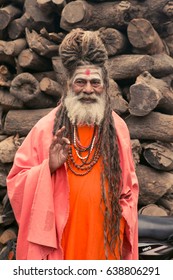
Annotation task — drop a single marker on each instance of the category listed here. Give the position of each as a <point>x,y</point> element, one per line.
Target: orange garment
<point>83,235</point>
<point>41,201</point>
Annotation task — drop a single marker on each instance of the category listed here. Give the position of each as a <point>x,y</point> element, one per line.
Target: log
<point>159,155</point>
<point>168,9</point>
<point>118,103</point>
<point>153,210</point>
<point>3,137</point>
<point>149,93</point>
<point>1,117</point>
<point>33,18</point>
<point>51,87</point>
<point>163,65</point>
<point>94,16</point>
<point>8,101</point>
<point>26,88</point>
<point>28,59</point>
<point>7,217</point>
<point>3,191</point>
<point>60,71</point>
<point>167,201</point>
<point>155,126</point>
<point>59,5</point>
<point>15,47</point>
<point>153,184</point>
<point>115,41</point>
<point>41,45</point>
<point>52,36</point>
<point>117,15</point>
<point>46,6</point>
<point>136,150</point>
<point>128,66</point>
<point>8,234</point>
<point>16,27</point>
<point>5,76</point>
<point>7,60</point>
<point>4,170</point>
<point>145,38</point>
<point>169,43</point>
<point>167,35</point>
<point>21,121</point>
<point>7,14</point>
<point>47,74</point>
<point>8,148</point>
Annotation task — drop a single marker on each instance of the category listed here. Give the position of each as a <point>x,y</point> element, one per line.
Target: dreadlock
<point>80,48</point>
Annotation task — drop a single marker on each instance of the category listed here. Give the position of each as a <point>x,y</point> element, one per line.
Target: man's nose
<point>88,88</point>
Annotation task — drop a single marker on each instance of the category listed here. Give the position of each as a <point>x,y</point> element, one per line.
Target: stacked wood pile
<point>138,36</point>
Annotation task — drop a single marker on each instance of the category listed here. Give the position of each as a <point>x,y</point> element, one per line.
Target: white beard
<point>81,113</point>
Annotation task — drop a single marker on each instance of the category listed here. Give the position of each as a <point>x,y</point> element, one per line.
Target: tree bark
<point>26,88</point>
<point>155,126</point>
<point>149,93</point>
<point>145,38</point>
<point>13,48</point>
<point>9,102</point>
<point>5,76</point>
<point>118,103</point>
<point>28,59</point>
<point>41,45</point>
<point>33,18</point>
<point>153,184</point>
<point>8,148</point>
<point>163,65</point>
<point>60,71</point>
<point>136,150</point>
<point>117,15</point>
<point>7,14</point>
<point>159,155</point>
<point>128,66</point>
<point>21,121</point>
<point>51,87</point>
<point>115,41</point>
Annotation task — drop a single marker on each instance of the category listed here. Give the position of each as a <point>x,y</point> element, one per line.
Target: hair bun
<point>80,46</point>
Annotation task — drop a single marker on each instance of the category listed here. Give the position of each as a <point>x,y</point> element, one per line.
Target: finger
<point>66,140</point>
<point>57,138</point>
<point>59,132</point>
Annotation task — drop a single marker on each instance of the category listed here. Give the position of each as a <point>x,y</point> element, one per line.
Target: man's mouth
<point>87,100</point>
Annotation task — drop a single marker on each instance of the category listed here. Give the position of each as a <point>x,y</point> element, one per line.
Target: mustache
<point>85,96</point>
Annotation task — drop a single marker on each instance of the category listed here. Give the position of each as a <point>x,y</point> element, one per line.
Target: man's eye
<point>95,83</point>
<point>80,82</point>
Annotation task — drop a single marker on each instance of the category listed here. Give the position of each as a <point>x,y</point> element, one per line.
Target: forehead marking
<point>87,72</point>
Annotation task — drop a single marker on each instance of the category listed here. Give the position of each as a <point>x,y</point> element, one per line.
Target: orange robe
<point>83,237</point>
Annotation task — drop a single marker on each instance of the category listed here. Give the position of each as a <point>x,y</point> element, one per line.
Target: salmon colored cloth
<point>83,237</point>
<point>41,202</point>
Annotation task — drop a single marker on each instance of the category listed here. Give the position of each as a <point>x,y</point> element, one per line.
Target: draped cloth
<point>40,201</point>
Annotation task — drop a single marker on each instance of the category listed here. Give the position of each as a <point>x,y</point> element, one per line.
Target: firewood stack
<point>138,36</point>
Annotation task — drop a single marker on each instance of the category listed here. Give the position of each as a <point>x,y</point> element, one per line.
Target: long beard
<point>81,113</point>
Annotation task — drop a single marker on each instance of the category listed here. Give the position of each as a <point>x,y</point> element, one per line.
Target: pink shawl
<point>40,201</point>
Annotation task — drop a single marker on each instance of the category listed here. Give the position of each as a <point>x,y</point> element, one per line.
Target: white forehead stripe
<point>88,73</point>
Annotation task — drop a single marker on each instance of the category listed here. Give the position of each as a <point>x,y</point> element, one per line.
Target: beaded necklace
<point>86,162</point>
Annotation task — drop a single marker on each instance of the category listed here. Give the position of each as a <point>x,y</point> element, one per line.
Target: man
<point>73,187</point>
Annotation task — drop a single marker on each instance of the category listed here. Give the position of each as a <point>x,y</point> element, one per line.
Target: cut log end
<point>74,12</point>
<point>143,100</point>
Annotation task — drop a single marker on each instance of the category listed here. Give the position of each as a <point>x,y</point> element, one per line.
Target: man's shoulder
<point>44,126</point>
<point>49,117</point>
<point>118,120</point>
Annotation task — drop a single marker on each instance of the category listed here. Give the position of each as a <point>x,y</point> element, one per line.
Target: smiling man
<point>73,186</point>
